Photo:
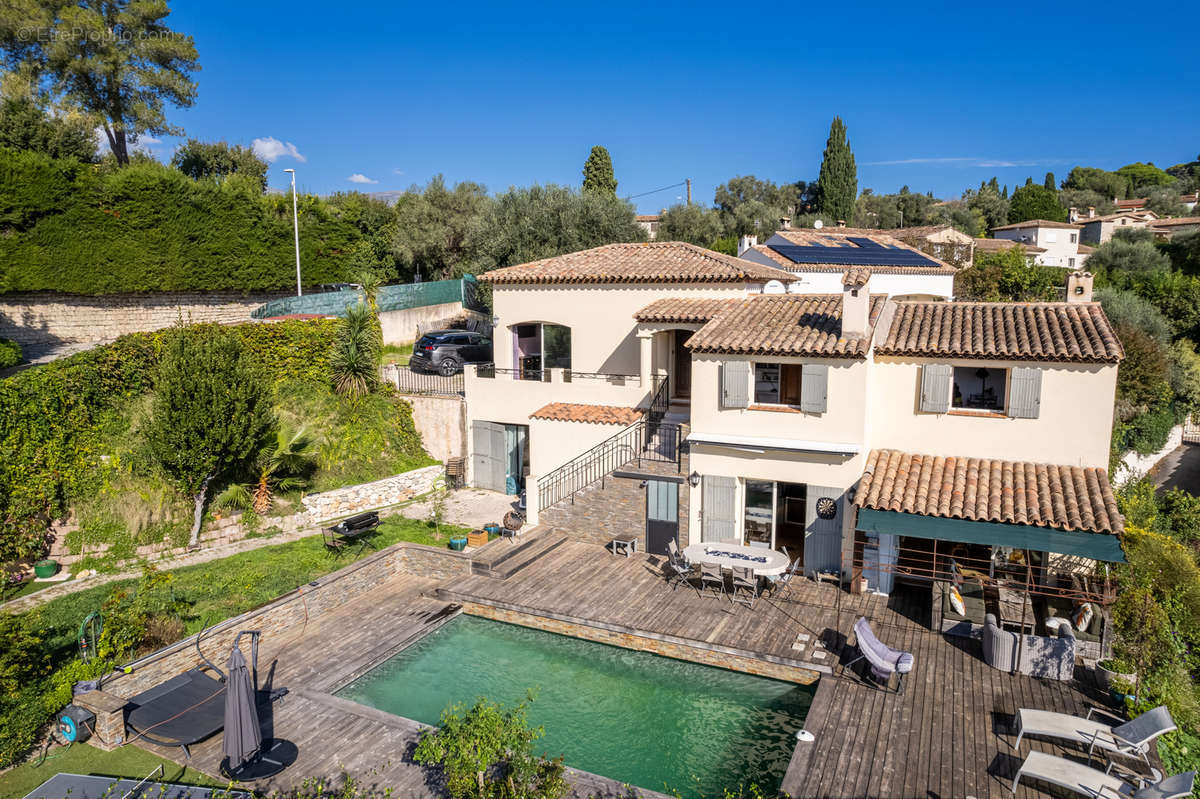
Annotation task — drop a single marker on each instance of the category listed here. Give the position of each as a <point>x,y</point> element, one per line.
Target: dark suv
<point>445,351</point>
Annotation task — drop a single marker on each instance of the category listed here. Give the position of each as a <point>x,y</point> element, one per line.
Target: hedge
<point>51,416</point>
<point>10,353</point>
<point>85,229</point>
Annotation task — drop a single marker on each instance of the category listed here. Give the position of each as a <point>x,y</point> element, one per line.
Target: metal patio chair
<point>745,582</point>
<point>711,574</point>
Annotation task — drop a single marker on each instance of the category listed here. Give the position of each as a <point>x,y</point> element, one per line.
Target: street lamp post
<point>296,231</point>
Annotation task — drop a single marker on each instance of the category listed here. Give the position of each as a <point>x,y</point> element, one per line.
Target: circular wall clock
<point>826,507</point>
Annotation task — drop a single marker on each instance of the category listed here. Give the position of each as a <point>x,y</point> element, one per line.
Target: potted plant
<point>1113,668</point>
<point>46,567</point>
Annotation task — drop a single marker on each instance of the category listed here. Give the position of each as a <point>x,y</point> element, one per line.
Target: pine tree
<point>837,184</point>
<point>598,172</point>
<point>1049,182</point>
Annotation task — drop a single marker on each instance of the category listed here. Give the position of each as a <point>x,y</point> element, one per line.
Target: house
<point>1096,230</point>
<point>1173,226</point>
<point>1030,251</point>
<point>649,223</point>
<point>1060,240</point>
<point>816,258</point>
<point>850,427</point>
<point>1189,200</point>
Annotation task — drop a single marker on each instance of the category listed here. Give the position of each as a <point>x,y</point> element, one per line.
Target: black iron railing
<point>660,401</point>
<point>490,371</point>
<point>639,442</point>
<point>408,381</point>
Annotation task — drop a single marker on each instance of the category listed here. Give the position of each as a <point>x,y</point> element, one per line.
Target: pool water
<point>646,720</point>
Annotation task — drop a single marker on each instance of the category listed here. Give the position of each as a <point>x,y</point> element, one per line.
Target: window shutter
<point>823,537</point>
<point>718,503</point>
<point>814,388</point>
<point>735,384</point>
<point>1025,393</point>
<point>935,387</point>
<point>487,455</point>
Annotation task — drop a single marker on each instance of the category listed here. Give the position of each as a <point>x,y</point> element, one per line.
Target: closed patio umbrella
<point>242,735</point>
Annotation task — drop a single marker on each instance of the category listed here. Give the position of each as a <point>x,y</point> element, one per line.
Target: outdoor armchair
<point>884,660</point>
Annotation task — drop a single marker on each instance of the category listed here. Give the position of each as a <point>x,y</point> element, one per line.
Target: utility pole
<point>296,231</point>
<point>689,191</point>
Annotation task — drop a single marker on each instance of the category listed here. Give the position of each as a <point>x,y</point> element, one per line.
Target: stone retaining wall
<point>368,496</point>
<point>42,322</point>
<point>285,617</point>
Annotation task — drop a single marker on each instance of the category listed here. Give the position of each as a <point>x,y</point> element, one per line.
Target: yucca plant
<point>282,465</point>
<point>354,362</point>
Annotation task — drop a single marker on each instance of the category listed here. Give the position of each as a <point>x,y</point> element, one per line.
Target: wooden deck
<point>947,736</point>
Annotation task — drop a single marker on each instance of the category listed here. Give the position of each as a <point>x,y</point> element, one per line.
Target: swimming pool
<point>646,720</point>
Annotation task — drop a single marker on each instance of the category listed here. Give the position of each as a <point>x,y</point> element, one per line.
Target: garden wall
<point>442,423</point>
<point>368,496</point>
<point>44,321</point>
<point>1134,465</point>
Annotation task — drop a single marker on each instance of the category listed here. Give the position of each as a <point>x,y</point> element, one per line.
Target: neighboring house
<point>1030,251</point>
<point>1060,240</point>
<point>1173,226</point>
<point>1096,230</point>
<point>1189,200</point>
<point>649,223</point>
<point>818,257</point>
<point>980,424</point>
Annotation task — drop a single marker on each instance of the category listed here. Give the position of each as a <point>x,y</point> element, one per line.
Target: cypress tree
<point>837,185</point>
<point>1049,182</point>
<point>598,172</point>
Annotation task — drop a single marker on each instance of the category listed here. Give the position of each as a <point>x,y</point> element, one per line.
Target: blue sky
<point>935,97</point>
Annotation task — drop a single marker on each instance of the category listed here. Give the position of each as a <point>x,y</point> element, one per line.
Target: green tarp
<point>1098,546</point>
<point>390,298</point>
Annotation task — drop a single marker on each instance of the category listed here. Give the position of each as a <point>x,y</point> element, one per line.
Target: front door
<point>662,515</point>
<point>683,365</point>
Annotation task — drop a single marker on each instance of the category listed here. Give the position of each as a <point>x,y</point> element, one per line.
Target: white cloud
<point>359,177</point>
<point>271,150</point>
<point>397,171</point>
<point>960,161</point>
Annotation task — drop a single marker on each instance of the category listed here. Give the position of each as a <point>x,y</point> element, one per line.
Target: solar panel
<point>862,241</point>
<point>857,256</point>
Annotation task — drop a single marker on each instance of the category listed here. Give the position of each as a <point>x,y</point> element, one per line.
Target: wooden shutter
<point>719,503</point>
<point>1025,393</point>
<point>823,537</point>
<point>735,384</point>
<point>814,388</point>
<point>488,463</point>
<point>935,387</point>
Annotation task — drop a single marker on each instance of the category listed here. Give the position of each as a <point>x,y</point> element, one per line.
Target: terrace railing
<point>641,441</point>
<point>407,381</point>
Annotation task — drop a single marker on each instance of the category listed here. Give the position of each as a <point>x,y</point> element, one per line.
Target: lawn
<point>219,589</point>
<point>396,353</point>
<point>128,761</point>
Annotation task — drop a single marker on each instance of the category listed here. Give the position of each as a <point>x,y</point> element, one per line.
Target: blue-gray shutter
<point>719,504</point>
<point>488,463</point>
<point>735,384</point>
<point>814,387</point>
<point>822,537</point>
<point>1025,393</point>
<point>935,387</point>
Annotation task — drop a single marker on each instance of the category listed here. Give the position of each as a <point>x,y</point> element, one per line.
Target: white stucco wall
<point>1059,249</point>
<point>1073,427</point>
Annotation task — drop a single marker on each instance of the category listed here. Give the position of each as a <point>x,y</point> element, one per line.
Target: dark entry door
<point>662,515</point>
<point>683,364</point>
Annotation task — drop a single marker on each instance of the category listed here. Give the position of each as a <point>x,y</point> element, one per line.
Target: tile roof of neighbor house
<point>840,237</point>
<point>681,309</point>
<point>1131,203</point>
<point>784,324</point>
<point>1175,221</point>
<point>856,277</point>
<point>1087,220</point>
<point>984,490</point>
<point>1086,249</point>
<point>639,262</point>
<point>1019,331</point>
<point>996,245</point>
<point>1038,223</point>
<point>592,414</point>
<point>648,217</point>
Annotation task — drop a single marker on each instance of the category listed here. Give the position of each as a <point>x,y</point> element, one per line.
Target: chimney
<point>1079,286</point>
<point>785,223</point>
<point>841,223</point>
<point>1091,212</point>
<point>746,243</point>
<point>1072,214</point>
<point>856,301</point>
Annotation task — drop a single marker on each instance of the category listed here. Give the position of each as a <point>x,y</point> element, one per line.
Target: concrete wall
<point>1073,427</point>
<point>442,423</point>
<point>43,321</point>
<point>400,327</point>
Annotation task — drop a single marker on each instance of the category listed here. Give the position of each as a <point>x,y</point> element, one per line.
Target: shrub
<point>10,353</point>
<point>354,362</point>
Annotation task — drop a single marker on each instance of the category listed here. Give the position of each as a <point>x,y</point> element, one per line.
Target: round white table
<point>765,562</point>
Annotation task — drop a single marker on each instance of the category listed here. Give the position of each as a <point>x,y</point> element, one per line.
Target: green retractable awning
<point>1098,546</point>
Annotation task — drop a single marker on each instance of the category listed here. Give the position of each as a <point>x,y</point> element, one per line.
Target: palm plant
<point>355,357</point>
<point>282,465</point>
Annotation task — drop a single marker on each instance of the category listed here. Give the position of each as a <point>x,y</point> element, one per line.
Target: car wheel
<point>448,367</point>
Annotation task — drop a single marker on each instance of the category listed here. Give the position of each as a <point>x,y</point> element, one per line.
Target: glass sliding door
<point>758,526</point>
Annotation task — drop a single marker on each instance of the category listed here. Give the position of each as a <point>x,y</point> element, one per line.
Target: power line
<point>656,191</point>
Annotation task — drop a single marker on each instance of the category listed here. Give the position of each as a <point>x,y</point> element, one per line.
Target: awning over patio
<point>1098,546</point>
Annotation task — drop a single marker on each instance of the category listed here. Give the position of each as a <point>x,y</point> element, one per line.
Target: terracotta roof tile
<point>856,277</point>
<point>784,324</point>
<point>646,262</point>
<point>1038,223</point>
<point>997,245</point>
<point>592,414</point>
<point>1048,331</point>
<point>1142,215</point>
<point>1175,220</point>
<point>681,309</point>
<point>980,489</point>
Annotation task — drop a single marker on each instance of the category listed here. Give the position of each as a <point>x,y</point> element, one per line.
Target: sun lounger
<point>1097,784</point>
<point>1133,738</point>
<point>883,659</point>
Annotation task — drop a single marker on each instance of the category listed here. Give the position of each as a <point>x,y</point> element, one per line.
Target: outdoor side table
<point>624,545</point>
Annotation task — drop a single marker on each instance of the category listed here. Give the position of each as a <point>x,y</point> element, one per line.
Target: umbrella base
<point>273,757</point>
